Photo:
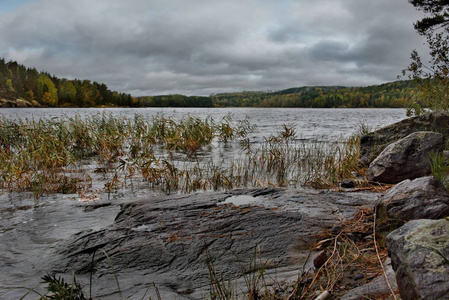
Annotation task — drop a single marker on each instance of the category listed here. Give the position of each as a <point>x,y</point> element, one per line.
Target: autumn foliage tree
<point>17,81</point>
<point>47,91</point>
<point>432,79</point>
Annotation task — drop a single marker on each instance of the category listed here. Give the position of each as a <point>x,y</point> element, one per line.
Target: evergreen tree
<point>432,79</point>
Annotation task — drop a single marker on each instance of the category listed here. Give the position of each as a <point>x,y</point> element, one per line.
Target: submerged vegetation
<point>68,155</point>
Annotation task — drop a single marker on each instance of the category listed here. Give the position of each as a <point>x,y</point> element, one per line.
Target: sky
<point>199,47</point>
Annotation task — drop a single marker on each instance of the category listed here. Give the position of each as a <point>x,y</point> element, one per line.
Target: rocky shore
<point>170,241</point>
<point>4,103</point>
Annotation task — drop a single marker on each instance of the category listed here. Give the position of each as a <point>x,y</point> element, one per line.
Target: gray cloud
<point>148,47</point>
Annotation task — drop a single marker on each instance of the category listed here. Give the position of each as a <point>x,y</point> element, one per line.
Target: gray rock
<point>18,103</point>
<point>23,103</point>
<point>422,198</point>
<point>419,252</point>
<point>378,286</point>
<point>407,158</point>
<point>169,239</point>
<point>373,143</point>
<point>347,184</point>
<point>7,103</point>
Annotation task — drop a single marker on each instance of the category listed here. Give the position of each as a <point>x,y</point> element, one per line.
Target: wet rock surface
<point>168,240</point>
<point>422,198</point>
<point>419,252</point>
<point>407,158</point>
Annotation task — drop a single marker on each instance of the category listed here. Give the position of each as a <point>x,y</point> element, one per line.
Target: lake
<point>312,124</point>
<point>29,232</point>
<point>317,129</point>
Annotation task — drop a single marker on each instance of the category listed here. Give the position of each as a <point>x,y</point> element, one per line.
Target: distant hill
<point>393,94</point>
<point>20,82</point>
<point>43,89</point>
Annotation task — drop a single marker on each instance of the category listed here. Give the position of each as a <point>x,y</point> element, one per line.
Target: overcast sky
<point>199,47</point>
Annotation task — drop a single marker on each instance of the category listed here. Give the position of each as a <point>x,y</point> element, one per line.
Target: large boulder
<point>422,198</point>
<point>419,252</point>
<point>372,144</point>
<point>407,158</point>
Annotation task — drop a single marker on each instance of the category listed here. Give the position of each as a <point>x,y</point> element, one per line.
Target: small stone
<point>347,184</point>
<point>320,259</point>
<point>359,276</point>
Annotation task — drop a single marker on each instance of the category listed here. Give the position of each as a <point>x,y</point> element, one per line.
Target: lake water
<point>311,124</point>
<point>29,232</point>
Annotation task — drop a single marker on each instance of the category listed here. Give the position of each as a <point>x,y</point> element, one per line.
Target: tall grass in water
<point>439,167</point>
<point>50,155</point>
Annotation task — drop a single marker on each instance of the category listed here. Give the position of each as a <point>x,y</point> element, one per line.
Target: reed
<point>61,155</point>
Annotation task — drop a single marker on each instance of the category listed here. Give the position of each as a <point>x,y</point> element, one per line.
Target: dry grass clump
<point>351,255</point>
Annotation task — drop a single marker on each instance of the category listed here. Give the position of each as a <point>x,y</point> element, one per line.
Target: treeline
<point>175,100</point>
<point>18,81</point>
<point>393,94</point>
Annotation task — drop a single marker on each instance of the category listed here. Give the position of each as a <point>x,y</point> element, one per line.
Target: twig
<point>323,296</point>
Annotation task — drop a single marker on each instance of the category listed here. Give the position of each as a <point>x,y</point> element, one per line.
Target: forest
<point>18,81</point>
<point>393,94</point>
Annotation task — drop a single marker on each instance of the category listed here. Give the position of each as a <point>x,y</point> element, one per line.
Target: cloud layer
<point>196,47</point>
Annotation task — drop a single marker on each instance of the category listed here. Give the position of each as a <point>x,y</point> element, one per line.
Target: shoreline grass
<point>51,155</point>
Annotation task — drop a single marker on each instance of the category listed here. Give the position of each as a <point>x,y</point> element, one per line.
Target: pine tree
<point>432,79</point>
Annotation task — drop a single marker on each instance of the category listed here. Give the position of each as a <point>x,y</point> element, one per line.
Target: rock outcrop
<point>419,251</point>
<point>422,198</point>
<point>168,240</point>
<point>20,103</point>
<point>372,144</point>
<point>407,158</point>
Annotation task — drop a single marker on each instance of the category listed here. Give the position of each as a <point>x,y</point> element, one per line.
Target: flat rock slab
<point>168,240</point>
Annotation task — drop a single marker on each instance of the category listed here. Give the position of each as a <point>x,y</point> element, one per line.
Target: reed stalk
<point>60,155</point>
